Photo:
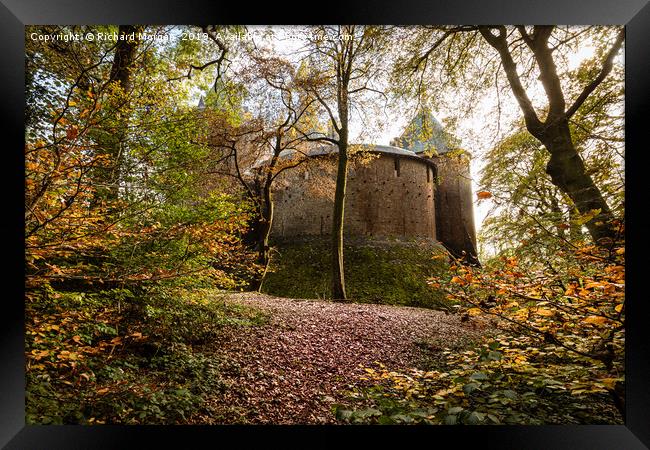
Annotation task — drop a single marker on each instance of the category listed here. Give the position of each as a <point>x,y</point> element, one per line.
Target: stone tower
<point>426,137</point>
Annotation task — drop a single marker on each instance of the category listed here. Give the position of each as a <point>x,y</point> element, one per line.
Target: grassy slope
<point>387,271</point>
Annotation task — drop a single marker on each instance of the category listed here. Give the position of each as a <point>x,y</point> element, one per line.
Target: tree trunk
<point>121,73</point>
<point>557,217</point>
<point>565,167</point>
<point>338,276</point>
<point>125,52</point>
<point>265,225</point>
<point>567,172</point>
<point>575,229</point>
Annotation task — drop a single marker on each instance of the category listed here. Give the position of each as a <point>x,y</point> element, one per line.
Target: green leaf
<point>385,420</point>
<point>510,394</point>
<point>368,412</point>
<point>475,418</point>
<point>343,414</point>
<point>402,418</point>
<point>494,356</point>
<point>451,420</point>
<point>455,410</point>
<point>479,376</point>
<point>493,418</point>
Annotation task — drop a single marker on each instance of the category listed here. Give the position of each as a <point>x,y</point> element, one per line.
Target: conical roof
<point>425,134</point>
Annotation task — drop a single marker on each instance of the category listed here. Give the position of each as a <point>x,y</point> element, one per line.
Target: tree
<point>565,166</point>
<point>120,82</point>
<point>343,67</point>
<point>527,207</point>
<point>530,216</point>
<point>292,111</point>
<point>255,146</point>
<point>148,221</point>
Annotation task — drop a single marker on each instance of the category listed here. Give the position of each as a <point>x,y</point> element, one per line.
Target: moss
<point>385,271</point>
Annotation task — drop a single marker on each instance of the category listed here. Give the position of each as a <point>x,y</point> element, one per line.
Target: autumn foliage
<point>118,226</point>
<point>141,209</point>
<point>553,350</point>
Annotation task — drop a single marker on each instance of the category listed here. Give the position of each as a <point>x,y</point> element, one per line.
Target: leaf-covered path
<point>291,370</point>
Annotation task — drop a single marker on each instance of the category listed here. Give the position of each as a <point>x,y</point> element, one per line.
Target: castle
<point>418,187</point>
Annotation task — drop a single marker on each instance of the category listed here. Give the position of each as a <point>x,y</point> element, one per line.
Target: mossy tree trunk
<point>266,223</point>
<point>267,206</point>
<point>338,276</point>
<point>567,172</point>
<point>344,67</point>
<point>342,100</point>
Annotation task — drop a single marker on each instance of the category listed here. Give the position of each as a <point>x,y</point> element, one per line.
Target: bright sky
<point>477,133</point>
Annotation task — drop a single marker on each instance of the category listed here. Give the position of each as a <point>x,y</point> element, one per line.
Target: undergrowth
<point>123,356</point>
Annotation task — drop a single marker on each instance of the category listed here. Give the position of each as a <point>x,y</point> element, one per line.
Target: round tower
<point>455,229</point>
<point>390,193</point>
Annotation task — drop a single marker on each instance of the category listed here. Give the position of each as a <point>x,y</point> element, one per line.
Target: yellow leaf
<point>65,354</point>
<point>457,280</point>
<point>595,319</point>
<point>619,307</point>
<point>545,312</point>
<point>474,311</point>
<point>39,354</point>
<point>608,382</point>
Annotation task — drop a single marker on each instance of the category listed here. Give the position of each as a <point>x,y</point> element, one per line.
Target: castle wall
<point>454,202</point>
<point>389,196</point>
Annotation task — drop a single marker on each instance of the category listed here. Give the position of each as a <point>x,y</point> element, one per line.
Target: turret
<point>454,210</point>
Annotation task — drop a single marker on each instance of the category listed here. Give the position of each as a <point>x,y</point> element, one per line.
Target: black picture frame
<point>15,14</point>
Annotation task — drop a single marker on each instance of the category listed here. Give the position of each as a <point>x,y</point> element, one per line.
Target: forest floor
<point>310,353</point>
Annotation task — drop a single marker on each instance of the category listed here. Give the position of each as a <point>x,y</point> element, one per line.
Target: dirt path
<point>291,370</point>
